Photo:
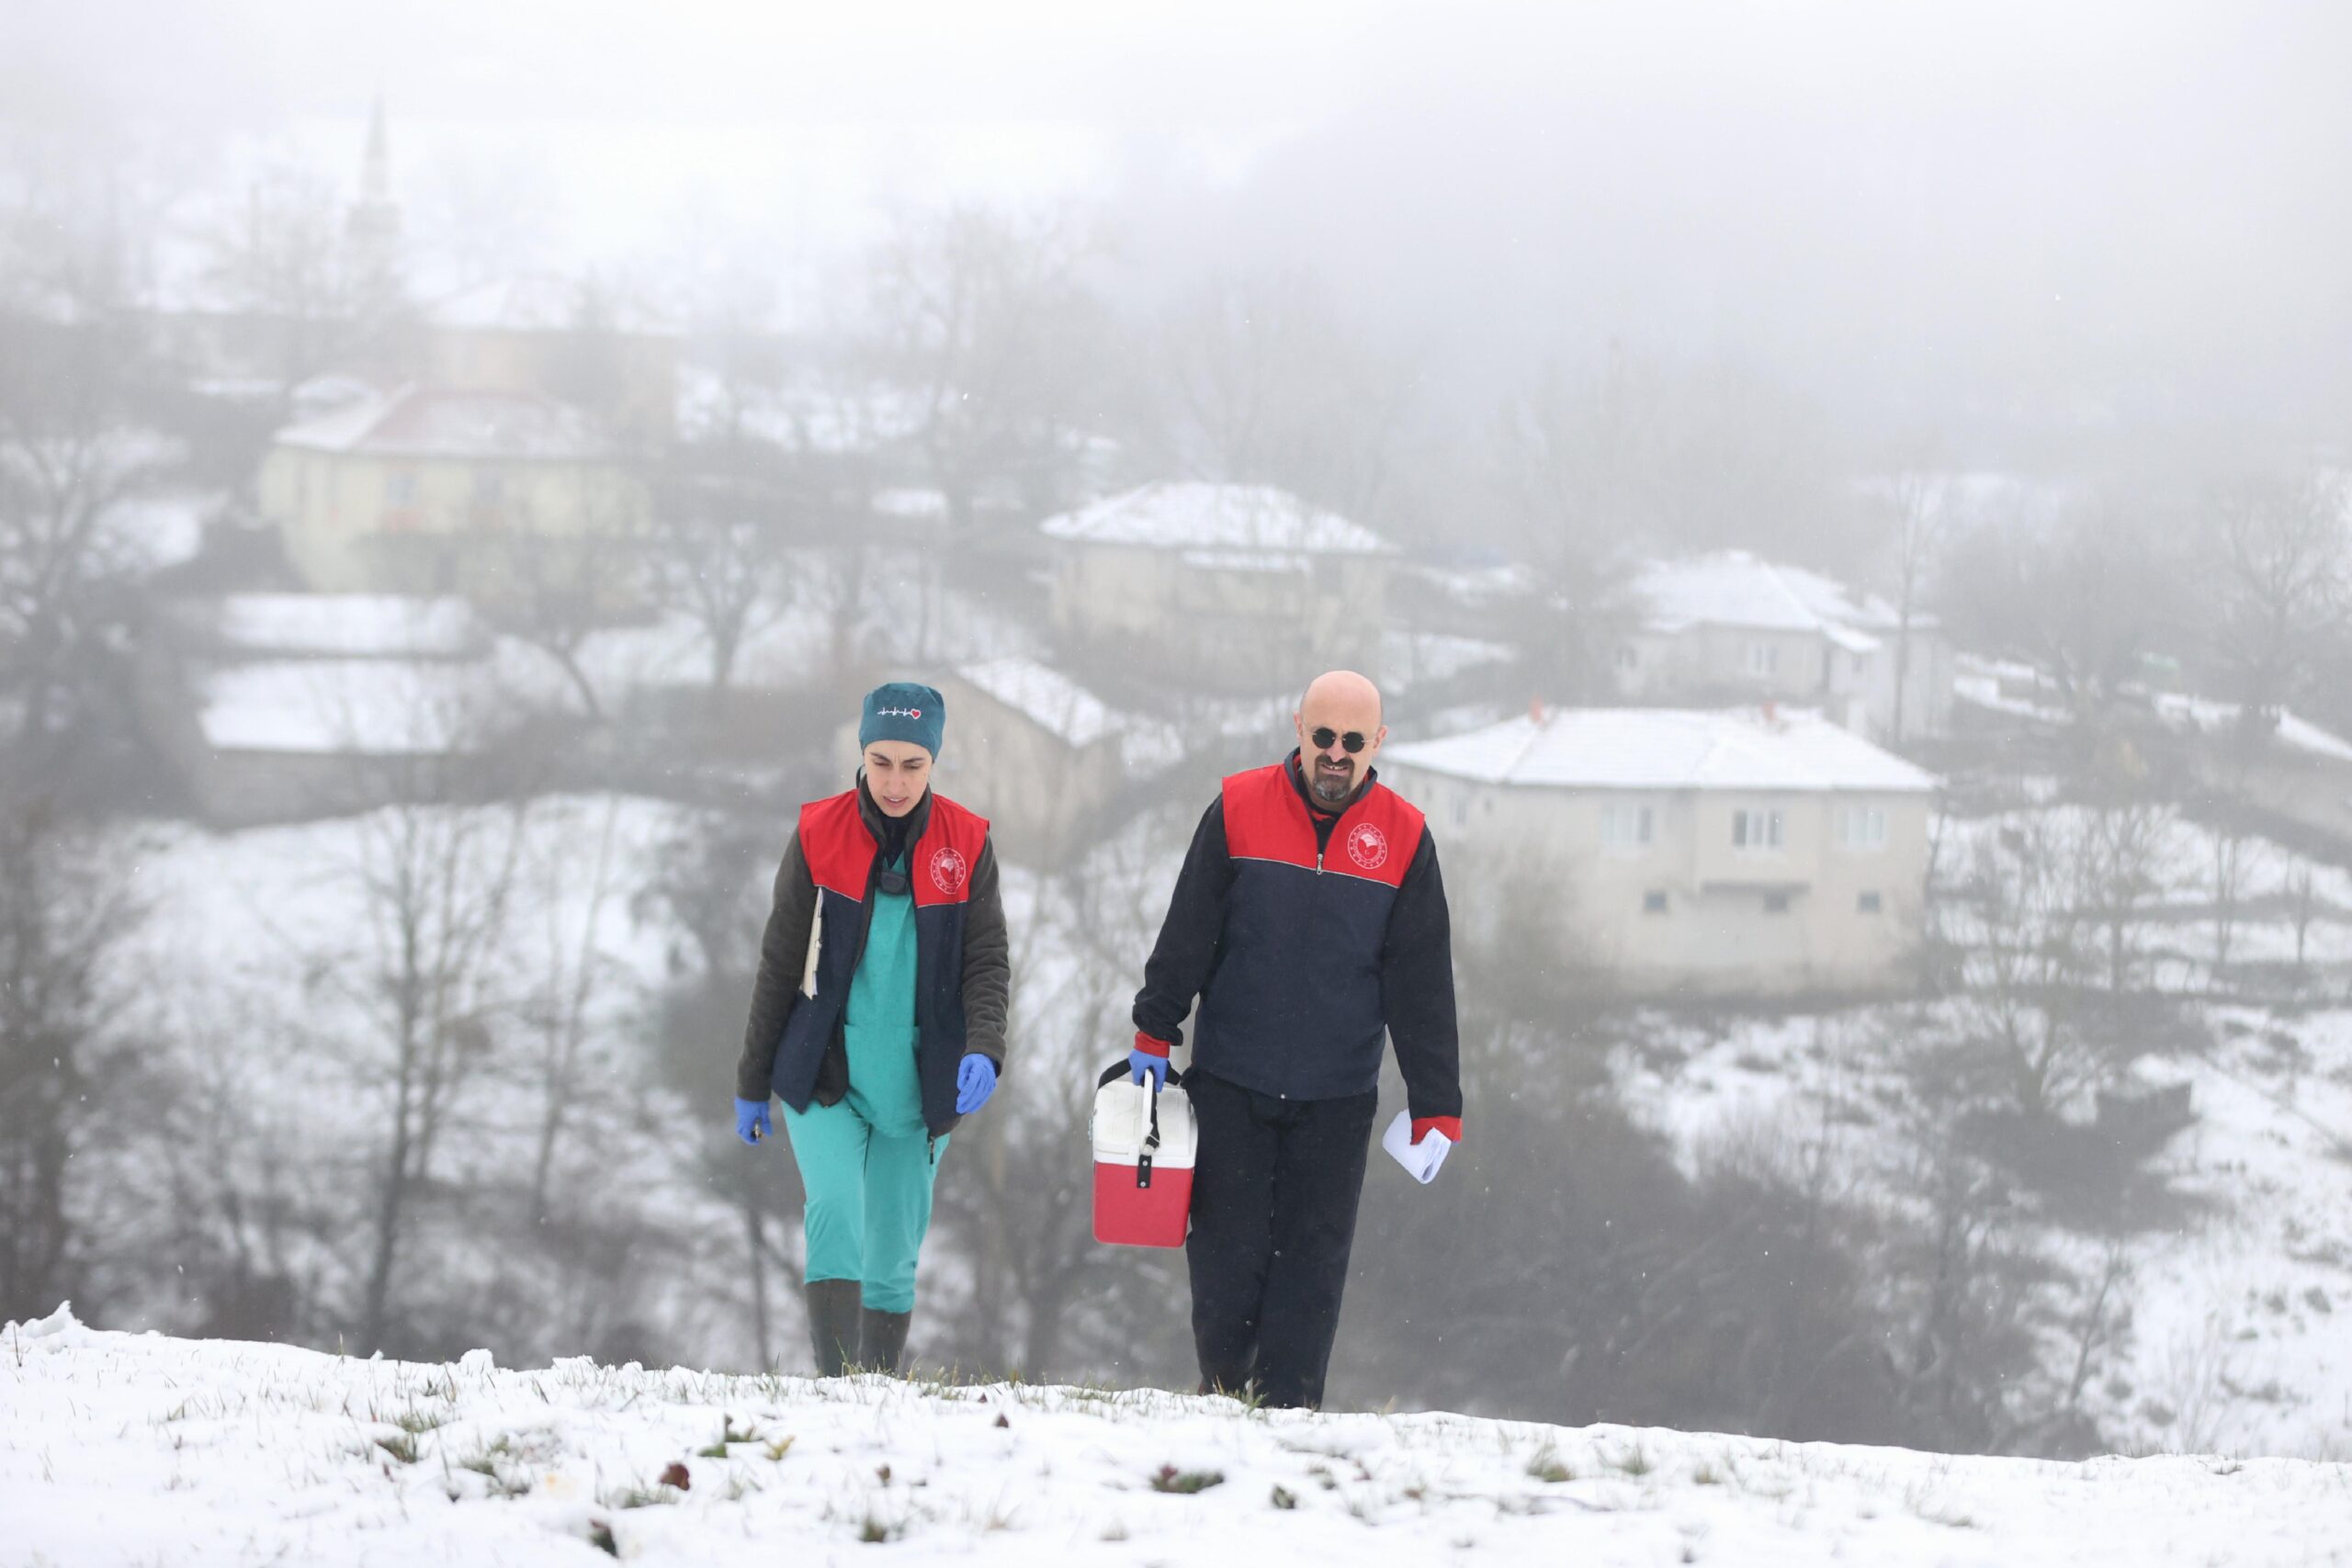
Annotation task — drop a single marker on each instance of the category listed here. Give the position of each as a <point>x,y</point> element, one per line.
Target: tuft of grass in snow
<point>1186,1481</point>
<point>403,1447</point>
<point>728,1433</point>
<point>1548,1466</point>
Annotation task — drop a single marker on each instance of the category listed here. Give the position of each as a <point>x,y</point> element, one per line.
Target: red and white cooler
<point>1143,1161</point>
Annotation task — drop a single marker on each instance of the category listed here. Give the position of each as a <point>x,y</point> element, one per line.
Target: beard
<point>1330,788</point>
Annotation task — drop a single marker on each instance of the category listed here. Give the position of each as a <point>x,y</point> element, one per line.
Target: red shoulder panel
<point>838,846</point>
<point>943,863</point>
<point>1264,819</point>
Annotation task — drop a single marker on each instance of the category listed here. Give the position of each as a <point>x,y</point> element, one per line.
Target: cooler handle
<point>1151,1140</point>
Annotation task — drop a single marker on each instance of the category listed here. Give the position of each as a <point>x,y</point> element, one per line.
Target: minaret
<point>372,229</point>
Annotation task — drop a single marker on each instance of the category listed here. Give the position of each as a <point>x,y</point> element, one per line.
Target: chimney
<point>1771,714</point>
<point>1535,711</point>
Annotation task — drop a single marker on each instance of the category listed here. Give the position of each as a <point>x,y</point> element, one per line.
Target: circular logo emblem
<point>1368,846</point>
<point>948,871</point>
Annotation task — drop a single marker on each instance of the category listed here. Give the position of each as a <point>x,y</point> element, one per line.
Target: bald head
<point>1342,686</point>
<point>1344,706</point>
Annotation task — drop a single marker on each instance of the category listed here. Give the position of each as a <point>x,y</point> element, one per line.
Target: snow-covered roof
<point>373,707</point>
<point>338,625</point>
<point>420,421</point>
<point>1668,749</point>
<point>1256,520</point>
<point>1066,710</point>
<point>1733,588</point>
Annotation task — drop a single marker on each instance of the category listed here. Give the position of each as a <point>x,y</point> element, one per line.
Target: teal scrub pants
<point>867,1161</point>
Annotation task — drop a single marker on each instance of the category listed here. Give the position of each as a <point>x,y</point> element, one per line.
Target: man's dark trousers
<point>1274,1188</point>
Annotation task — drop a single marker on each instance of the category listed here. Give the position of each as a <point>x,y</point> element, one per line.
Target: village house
<point>430,490</point>
<point>1042,757</point>
<point>1749,853</point>
<point>1222,586</point>
<point>1730,627</point>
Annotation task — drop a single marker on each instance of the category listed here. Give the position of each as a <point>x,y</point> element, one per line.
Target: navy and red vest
<point>840,851</point>
<point>1293,1007</point>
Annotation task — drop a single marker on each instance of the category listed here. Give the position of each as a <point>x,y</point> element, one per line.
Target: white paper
<point>1420,1160</point>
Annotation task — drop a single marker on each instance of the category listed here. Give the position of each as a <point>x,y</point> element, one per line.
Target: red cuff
<point>1150,1047</point>
<point>1450,1125</point>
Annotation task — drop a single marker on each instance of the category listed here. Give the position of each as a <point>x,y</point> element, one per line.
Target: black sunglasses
<point>1353,739</point>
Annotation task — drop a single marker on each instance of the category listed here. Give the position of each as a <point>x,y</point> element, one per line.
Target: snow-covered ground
<point>2236,1338</point>
<point>122,1449</point>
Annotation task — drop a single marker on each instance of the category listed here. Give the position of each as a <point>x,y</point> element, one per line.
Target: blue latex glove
<point>1142,1065</point>
<point>752,1123</point>
<point>974,1081</point>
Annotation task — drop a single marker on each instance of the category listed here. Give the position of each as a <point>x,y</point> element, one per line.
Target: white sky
<point>2131,208</point>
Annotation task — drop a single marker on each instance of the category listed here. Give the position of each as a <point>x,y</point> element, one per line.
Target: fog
<point>1847,506</point>
<point>1994,219</point>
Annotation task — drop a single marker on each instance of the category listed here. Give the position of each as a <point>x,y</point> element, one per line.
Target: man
<point>1309,919</point>
<point>878,1018</point>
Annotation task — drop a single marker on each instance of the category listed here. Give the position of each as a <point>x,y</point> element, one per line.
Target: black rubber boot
<point>882,1340</point>
<point>832,1324</point>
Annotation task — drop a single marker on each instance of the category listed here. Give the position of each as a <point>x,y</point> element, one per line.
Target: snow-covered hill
<point>121,1448</point>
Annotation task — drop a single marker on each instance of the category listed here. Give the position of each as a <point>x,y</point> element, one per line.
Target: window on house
<point>1756,830</point>
<point>1461,807</point>
<point>1866,904</point>
<point>1763,657</point>
<point>1653,903</point>
<point>1628,660</point>
<point>399,488</point>
<point>1627,826</point>
<point>1861,827</point>
<point>1776,903</point>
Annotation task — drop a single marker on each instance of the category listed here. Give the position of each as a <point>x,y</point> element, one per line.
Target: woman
<point>877,1019</point>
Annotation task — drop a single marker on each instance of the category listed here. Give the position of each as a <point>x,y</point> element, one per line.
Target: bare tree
<point>711,880</point>
<point>2083,601</point>
<point>570,976</point>
<point>2233,855</point>
<point>1916,536</point>
<point>1566,467</point>
<point>438,882</point>
<point>62,913</point>
<point>2276,562</point>
<point>2028,960</point>
<point>1020,1221</point>
<point>71,455</point>
<point>2122,871</point>
<point>2303,909</point>
<point>1266,384</point>
<point>1969,1297</point>
<point>288,261</point>
<point>718,559</point>
<point>560,582</point>
<point>986,324</point>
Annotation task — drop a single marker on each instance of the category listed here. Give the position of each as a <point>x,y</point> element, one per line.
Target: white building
<point>1042,757</point>
<point>422,490</point>
<point>1741,852</point>
<point>1730,626</point>
<point>1242,586</point>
